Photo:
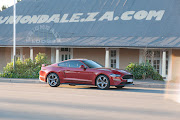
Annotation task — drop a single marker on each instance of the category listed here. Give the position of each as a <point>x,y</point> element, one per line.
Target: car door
<point>70,72</point>
<point>85,75</point>
<point>75,74</point>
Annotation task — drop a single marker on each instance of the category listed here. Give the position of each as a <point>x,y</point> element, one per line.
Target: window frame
<point>115,57</point>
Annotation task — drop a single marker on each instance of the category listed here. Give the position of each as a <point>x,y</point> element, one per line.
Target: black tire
<point>53,80</point>
<point>102,82</point>
<point>119,87</point>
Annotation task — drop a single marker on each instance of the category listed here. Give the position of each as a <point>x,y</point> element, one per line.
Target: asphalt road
<point>23,101</point>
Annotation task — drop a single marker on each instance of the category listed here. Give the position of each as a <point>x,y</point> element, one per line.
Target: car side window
<point>62,64</point>
<point>80,63</point>
<point>74,64</point>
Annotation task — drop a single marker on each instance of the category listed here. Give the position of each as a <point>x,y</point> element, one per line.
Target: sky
<point>6,3</point>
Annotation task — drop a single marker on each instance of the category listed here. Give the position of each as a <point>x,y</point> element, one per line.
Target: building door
<point>114,58</point>
<point>154,57</point>
<point>65,54</point>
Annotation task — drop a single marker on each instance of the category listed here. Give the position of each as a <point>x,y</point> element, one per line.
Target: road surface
<point>25,101</point>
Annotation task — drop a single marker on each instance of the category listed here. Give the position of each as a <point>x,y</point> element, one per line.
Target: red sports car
<point>84,72</point>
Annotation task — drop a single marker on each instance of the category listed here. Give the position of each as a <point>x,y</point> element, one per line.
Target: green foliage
<point>143,71</point>
<point>26,68</point>
<point>4,7</point>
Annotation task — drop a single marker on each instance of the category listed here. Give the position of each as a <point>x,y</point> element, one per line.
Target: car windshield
<point>92,64</point>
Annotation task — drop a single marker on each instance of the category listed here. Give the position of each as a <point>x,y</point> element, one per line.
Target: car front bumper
<point>125,84</point>
<point>122,82</point>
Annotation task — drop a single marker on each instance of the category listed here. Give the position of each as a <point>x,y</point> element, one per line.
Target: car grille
<point>128,77</point>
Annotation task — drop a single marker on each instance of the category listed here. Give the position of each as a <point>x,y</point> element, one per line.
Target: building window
<point>66,49</point>
<point>19,53</point>
<point>65,54</point>
<point>154,57</point>
<point>113,60</point>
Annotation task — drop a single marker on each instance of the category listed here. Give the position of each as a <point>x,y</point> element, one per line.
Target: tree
<point>4,7</point>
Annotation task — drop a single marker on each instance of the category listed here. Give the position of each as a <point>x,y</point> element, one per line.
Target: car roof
<point>74,60</point>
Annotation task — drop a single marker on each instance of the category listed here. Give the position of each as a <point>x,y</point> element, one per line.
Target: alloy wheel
<point>53,80</point>
<point>102,82</point>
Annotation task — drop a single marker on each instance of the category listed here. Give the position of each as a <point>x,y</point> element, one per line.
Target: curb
<point>17,80</point>
<point>148,86</point>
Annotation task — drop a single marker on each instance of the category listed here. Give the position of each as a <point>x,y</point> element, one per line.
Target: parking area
<point>21,101</point>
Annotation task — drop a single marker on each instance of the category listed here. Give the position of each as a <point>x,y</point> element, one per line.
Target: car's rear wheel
<point>102,82</point>
<point>53,80</point>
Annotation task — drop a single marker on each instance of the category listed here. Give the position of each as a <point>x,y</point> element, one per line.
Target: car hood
<point>115,71</point>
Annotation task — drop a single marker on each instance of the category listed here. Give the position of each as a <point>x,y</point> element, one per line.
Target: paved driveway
<point>21,101</point>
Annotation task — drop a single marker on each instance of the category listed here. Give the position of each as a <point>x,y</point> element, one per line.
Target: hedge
<point>143,71</point>
<point>26,68</point>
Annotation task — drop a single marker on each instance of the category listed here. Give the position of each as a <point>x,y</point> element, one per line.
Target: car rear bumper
<point>42,78</point>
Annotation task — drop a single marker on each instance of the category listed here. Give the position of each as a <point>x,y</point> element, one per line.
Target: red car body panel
<point>82,76</point>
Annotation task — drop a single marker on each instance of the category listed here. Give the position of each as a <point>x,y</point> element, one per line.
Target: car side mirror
<point>83,67</point>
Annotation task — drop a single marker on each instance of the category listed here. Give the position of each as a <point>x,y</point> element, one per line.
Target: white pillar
<point>57,55</point>
<point>164,64</point>
<point>71,53</point>
<point>117,58</point>
<point>52,55</point>
<point>170,65</point>
<point>141,56</point>
<point>152,58</point>
<point>107,63</point>
<point>31,53</point>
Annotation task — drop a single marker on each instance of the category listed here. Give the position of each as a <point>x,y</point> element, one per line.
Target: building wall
<point>26,52</point>
<point>127,56</point>
<point>5,55</point>
<point>96,54</point>
<point>47,51</point>
<point>176,65</point>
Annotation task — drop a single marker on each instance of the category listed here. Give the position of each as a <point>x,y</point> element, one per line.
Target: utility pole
<point>14,35</point>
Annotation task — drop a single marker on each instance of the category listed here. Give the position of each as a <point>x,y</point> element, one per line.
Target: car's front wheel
<point>102,82</point>
<point>53,80</point>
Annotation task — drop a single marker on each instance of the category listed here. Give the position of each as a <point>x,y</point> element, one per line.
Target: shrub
<point>26,68</point>
<point>143,71</point>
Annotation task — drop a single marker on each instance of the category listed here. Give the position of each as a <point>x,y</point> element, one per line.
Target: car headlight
<point>115,75</point>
